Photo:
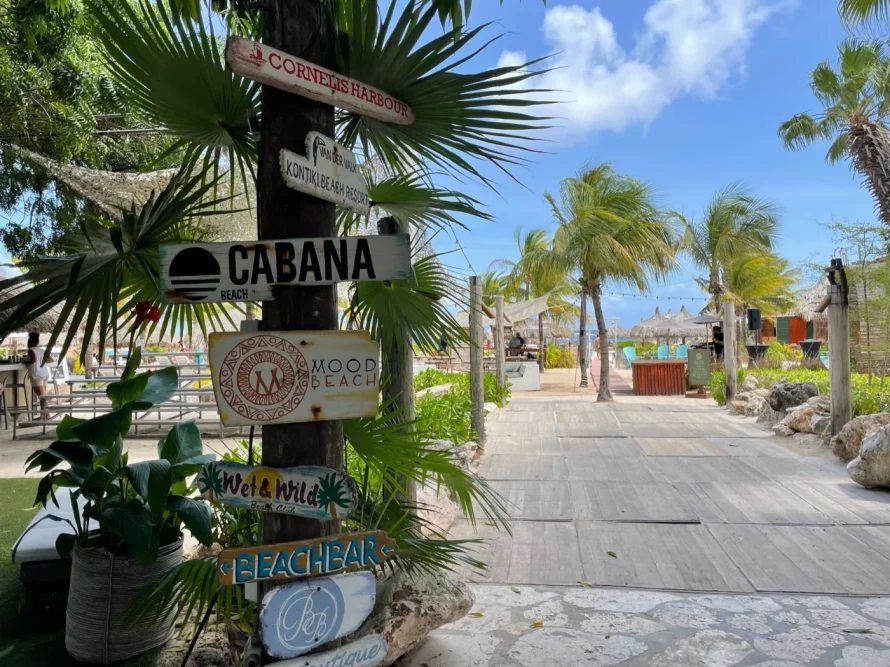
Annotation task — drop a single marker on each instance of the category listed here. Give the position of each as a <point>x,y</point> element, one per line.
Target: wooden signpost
<point>365,652</point>
<point>329,171</point>
<point>281,377</point>
<point>297,617</point>
<point>308,491</point>
<point>272,67</point>
<point>249,271</point>
<point>346,552</point>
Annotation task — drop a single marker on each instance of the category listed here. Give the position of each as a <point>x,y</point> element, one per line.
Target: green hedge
<point>559,357</point>
<point>866,399</point>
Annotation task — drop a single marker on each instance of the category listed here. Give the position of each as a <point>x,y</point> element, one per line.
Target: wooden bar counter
<point>662,377</point>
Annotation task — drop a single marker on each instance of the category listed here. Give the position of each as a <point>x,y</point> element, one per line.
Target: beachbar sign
<point>272,67</point>
<point>368,651</point>
<point>329,171</point>
<point>297,617</point>
<point>250,270</point>
<point>346,552</point>
<point>312,492</point>
<point>283,377</point>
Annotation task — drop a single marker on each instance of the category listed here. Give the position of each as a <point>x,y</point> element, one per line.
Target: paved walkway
<point>723,547</point>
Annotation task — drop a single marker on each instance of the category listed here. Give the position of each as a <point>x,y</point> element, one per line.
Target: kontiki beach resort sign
<point>283,377</point>
<point>346,552</point>
<point>313,492</point>
<point>249,271</point>
<point>272,67</point>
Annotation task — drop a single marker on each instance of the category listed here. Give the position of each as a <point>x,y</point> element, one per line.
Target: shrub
<point>559,356</point>
<point>447,416</point>
<point>430,377</point>
<point>626,343</point>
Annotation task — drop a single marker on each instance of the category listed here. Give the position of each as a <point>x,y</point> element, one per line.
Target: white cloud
<point>685,47</point>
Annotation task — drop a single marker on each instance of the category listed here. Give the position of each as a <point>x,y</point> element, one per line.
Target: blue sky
<point>686,95</point>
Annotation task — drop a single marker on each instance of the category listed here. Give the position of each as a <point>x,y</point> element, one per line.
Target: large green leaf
<point>159,386</point>
<point>151,480</point>
<point>132,364</point>
<point>132,523</point>
<point>191,465</point>
<point>63,430</point>
<point>196,516</point>
<point>74,452</point>
<point>182,443</point>
<point>102,430</point>
<point>124,391</point>
<point>96,483</point>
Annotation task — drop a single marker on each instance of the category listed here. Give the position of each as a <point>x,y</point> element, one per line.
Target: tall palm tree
<point>762,280</point>
<point>610,231</point>
<point>854,94</point>
<point>734,223</point>
<point>864,11</point>
<point>493,284</point>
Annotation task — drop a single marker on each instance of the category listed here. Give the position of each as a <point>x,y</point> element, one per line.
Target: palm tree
<point>734,223</point>
<point>610,231</point>
<point>761,280</point>
<point>332,493</point>
<point>493,284</point>
<point>864,11</point>
<point>854,97</point>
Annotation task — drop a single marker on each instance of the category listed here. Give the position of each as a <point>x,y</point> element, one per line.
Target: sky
<point>686,95</point>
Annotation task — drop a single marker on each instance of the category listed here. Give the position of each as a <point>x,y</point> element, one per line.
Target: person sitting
<point>38,373</point>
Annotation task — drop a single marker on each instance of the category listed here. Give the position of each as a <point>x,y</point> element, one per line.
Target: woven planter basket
<point>101,589</point>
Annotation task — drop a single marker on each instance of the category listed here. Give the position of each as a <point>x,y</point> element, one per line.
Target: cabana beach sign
<point>281,70</point>
<point>250,270</point>
<point>297,617</point>
<point>284,377</point>
<point>333,554</point>
<point>313,492</point>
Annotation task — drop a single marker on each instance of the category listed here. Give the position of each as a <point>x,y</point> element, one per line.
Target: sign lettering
<point>368,651</point>
<point>329,171</point>
<point>309,491</point>
<point>284,377</point>
<point>297,617</point>
<point>346,552</point>
<point>249,271</point>
<point>272,67</point>
<point>699,367</point>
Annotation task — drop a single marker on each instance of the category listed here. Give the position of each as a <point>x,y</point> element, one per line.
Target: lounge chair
<point>682,352</point>
<point>630,354</point>
<point>664,352</point>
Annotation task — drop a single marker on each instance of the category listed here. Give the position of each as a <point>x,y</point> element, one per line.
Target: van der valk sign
<point>329,171</point>
<point>272,67</point>
<point>281,377</point>
<point>249,270</point>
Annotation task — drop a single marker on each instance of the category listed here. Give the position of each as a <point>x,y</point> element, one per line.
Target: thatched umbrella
<point>44,323</point>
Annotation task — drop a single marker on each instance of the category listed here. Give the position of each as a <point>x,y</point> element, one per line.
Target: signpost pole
<point>298,27</point>
<point>477,372</point>
<point>730,350</point>
<point>499,350</point>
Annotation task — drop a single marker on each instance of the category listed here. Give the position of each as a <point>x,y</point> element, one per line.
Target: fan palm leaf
<point>110,268</point>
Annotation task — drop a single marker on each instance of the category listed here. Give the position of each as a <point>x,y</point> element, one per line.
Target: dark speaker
<point>754,321</point>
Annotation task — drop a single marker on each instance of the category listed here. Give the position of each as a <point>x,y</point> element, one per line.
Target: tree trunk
<point>870,149</point>
<point>605,392</point>
<point>714,288</point>
<point>582,339</point>
<point>298,27</point>
<point>541,346</point>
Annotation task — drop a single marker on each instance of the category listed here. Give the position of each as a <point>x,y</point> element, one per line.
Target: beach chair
<point>682,352</point>
<point>630,354</point>
<point>664,352</point>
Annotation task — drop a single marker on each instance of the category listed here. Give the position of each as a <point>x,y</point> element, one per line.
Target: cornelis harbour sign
<point>283,377</point>
<point>313,492</point>
<point>250,270</point>
<point>329,171</point>
<point>297,617</point>
<point>346,552</point>
<point>368,651</point>
<point>272,67</point>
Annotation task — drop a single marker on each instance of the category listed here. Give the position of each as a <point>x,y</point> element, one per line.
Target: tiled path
<point>686,497</point>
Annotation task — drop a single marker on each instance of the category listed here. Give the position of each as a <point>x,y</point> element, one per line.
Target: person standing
<point>38,373</point>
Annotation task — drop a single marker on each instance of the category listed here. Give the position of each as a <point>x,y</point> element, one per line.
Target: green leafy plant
<point>560,356</point>
<point>430,377</point>
<point>131,508</point>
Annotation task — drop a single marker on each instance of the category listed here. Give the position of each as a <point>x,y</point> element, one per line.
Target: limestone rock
<point>755,406</point>
<point>872,467</point>
<point>808,441</point>
<point>410,607</point>
<point>435,505</point>
<point>821,404</point>
<point>800,421</point>
<point>785,395</point>
<point>212,650</point>
<point>461,452</point>
<point>820,424</point>
<point>737,407</point>
<point>846,444</point>
<point>783,426</point>
<point>769,416</point>
<point>749,383</point>
<point>491,407</point>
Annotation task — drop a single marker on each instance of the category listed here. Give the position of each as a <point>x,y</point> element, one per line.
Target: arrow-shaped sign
<point>346,552</point>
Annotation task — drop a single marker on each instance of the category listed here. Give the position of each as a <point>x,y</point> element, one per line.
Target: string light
<point>659,298</point>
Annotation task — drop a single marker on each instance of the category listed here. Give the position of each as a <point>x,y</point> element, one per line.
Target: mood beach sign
<point>283,377</point>
<point>272,67</point>
<point>250,271</point>
<point>346,552</point>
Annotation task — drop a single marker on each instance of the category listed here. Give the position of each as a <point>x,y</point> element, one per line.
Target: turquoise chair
<point>630,354</point>
<point>682,352</point>
<point>664,352</point>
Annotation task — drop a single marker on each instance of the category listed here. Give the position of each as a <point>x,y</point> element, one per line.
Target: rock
<point>755,406</point>
<point>801,420</point>
<point>872,467</point>
<point>783,427</point>
<point>785,395</point>
<point>846,444</point>
<point>212,650</point>
<point>808,441</point>
<point>410,607</point>
<point>491,407</point>
<point>749,383</point>
<point>436,507</point>
<point>821,404</point>
<point>820,424</point>
<point>438,390</point>
<point>461,453</point>
<point>737,407</point>
<point>769,416</point>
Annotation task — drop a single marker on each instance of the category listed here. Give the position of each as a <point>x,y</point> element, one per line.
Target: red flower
<point>145,311</point>
<point>154,314</point>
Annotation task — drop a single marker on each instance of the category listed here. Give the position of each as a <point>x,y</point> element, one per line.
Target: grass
<point>28,636</point>
<point>447,416</point>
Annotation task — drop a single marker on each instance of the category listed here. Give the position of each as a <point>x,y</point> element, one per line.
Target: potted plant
<point>128,532</point>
